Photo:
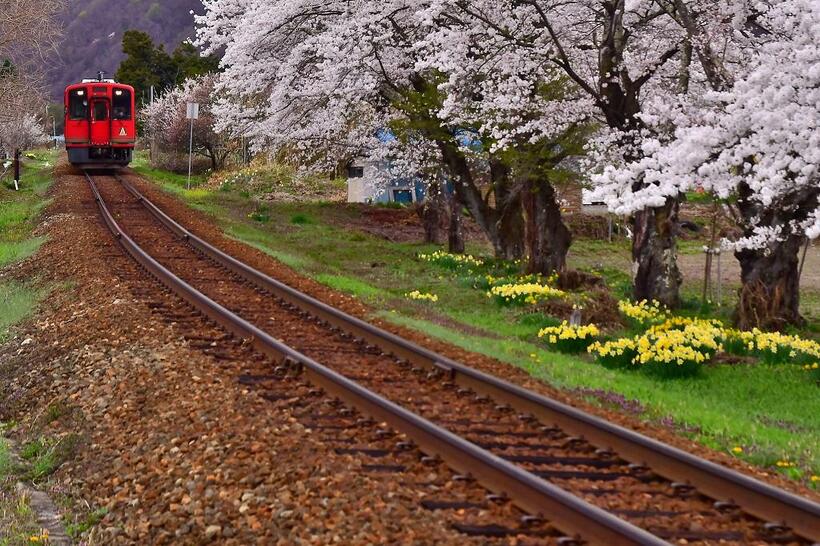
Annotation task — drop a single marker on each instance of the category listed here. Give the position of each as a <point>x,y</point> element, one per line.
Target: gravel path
<point>172,445</point>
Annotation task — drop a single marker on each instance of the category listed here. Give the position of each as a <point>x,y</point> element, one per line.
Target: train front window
<point>78,104</point>
<point>100,111</point>
<point>121,104</point>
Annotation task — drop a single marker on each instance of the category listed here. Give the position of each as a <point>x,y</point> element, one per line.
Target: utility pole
<point>153,143</point>
<point>192,114</point>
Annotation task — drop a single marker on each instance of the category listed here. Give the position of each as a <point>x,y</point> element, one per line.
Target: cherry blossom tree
<point>20,133</point>
<point>166,123</point>
<point>28,30</point>
<point>28,27</point>
<point>527,114</point>
<point>616,54</point>
<point>753,140</point>
<point>324,78</point>
<point>499,92</point>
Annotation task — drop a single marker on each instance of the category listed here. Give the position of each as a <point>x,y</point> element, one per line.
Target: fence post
<point>17,169</point>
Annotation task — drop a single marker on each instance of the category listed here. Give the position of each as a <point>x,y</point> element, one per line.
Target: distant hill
<point>93,29</point>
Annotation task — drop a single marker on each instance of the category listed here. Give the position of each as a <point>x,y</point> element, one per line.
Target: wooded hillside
<point>93,32</point>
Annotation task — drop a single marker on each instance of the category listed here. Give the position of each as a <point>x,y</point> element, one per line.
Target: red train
<point>100,127</point>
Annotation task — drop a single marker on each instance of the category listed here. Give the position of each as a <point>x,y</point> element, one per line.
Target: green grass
<point>351,286</point>
<point>19,213</point>
<point>174,182</point>
<point>5,459</point>
<point>17,520</point>
<point>770,412</point>
<point>17,301</point>
<point>76,529</point>
<point>44,455</point>
<point>11,252</point>
<point>19,210</point>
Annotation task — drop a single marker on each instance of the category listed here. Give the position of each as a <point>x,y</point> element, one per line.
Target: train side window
<point>78,104</point>
<point>121,104</point>
<point>100,111</point>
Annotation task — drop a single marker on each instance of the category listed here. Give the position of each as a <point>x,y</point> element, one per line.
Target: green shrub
<point>300,219</point>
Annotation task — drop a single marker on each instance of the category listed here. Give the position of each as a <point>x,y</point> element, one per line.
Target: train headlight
<point>118,92</point>
<point>80,93</point>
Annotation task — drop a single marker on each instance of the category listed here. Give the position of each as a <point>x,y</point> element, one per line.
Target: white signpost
<point>193,113</point>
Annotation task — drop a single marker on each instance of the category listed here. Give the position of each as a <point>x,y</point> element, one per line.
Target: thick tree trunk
<point>654,249</point>
<point>455,232</point>
<point>430,219</point>
<point>431,213</point>
<point>502,225</point>
<point>509,213</point>
<point>654,254</point>
<point>548,238</point>
<point>769,297</point>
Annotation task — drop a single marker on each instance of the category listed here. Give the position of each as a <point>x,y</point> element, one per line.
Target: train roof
<point>107,83</point>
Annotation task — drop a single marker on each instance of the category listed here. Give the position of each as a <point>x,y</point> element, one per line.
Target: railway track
<point>574,476</point>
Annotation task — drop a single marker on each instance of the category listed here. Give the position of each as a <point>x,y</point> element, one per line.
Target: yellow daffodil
<point>416,295</point>
<point>643,312</point>
<point>568,338</point>
<point>529,293</point>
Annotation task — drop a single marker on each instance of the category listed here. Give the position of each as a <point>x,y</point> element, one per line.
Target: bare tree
<point>28,32</point>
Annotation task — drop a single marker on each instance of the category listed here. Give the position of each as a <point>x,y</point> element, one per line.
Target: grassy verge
<point>18,523</point>
<point>763,414</point>
<point>17,301</point>
<point>19,209</point>
<point>173,182</point>
<point>19,213</point>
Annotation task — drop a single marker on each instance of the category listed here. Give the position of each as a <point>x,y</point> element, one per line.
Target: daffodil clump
<point>620,353</point>
<point>676,347</point>
<point>567,338</point>
<point>421,296</point>
<point>488,281</point>
<point>704,335</point>
<point>528,293</point>
<point>452,261</point>
<point>773,347</point>
<point>644,313</point>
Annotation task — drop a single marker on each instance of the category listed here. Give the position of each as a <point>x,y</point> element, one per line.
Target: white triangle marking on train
<point>123,132</point>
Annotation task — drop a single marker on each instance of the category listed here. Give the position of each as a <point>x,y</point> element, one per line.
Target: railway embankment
<point>158,429</point>
<point>165,445</point>
<point>373,254</point>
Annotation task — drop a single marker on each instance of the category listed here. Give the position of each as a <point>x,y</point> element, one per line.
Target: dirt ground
<point>165,437</point>
<point>692,267</point>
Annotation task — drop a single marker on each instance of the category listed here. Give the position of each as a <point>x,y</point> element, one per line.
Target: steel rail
<point>565,511</point>
<point>718,482</point>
